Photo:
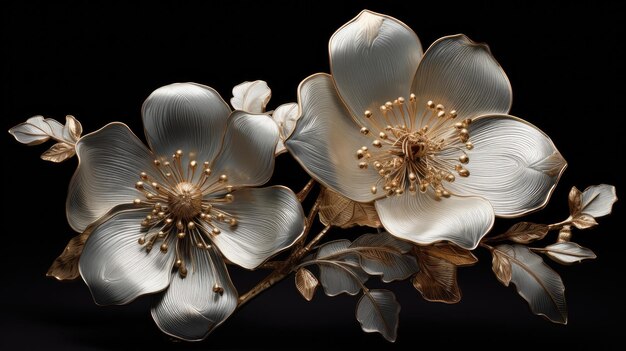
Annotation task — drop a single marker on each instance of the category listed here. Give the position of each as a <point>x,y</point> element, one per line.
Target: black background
<point>98,63</point>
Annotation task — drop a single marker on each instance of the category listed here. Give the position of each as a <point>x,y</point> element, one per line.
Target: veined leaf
<point>59,152</point>
<point>383,254</point>
<point>378,311</point>
<point>436,279</point>
<point>342,212</point>
<point>306,283</point>
<point>37,130</point>
<point>339,269</point>
<point>568,253</point>
<point>450,253</point>
<point>537,283</point>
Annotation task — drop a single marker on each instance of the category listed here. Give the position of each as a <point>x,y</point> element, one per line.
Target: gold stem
<point>305,191</point>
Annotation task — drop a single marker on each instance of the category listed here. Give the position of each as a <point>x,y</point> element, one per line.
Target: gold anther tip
<point>180,225</point>
<point>200,245</point>
<point>412,188</point>
<point>383,108</point>
<point>218,289</point>
<point>374,189</point>
<point>388,104</point>
<point>438,193</point>
<point>469,145</point>
<point>216,231</point>
<point>178,263</point>
<point>458,125</point>
<point>223,178</point>
<point>467,121</point>
<point>181,235</point>
<point>364,131</point>
<point>450,178</point>
<point>412,176</point>
<point>206,164</point>
<point>368,113</point>
<point>164,247</point>
<point>401,99</point>
<point>207,171</point>
<point>464,159</point>
<point>359,154</point>
<point>202,215</point>
<point>453,114</point>
<point>399,191</point>
<point>193,164</point>
<point>377,143</point>
<point>139,185</point>
<point>157,162</point>
<point>364,148</point>
<point>382,135</point>
<point>169,221</point>
<point>229,188</point>
<point>161,235</point>
<point>233,222</point>
<point>441,114</point>
<point>141,240</point>
<point>137,201</point>
<point>430,104</point>
<point>191,226</point>
<point>229,197</point>
<point>179,153</point>
<point>439,107</point>
<point>144,223</point>
<point>445,193</point>
<point>362,165</point>
<point>464,172</point>
<point>143,175</point>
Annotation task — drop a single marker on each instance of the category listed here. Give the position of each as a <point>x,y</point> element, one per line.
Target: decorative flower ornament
<point>192,204</point>
<point>420,144</point>
<point>424,136</point>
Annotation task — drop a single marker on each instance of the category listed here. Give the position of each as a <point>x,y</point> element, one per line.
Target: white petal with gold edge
<point>326,139</point>
<point>110,161</point>
<point>185,116</point>
<point>463,76</point>
<point>268,221</point>
<point>116,268</point>
<point>195,305</point>
<point>513,164</point>
<point>422,219</point>
<point>373,60</point>
<point>247,155</point>
<point>286,116</point>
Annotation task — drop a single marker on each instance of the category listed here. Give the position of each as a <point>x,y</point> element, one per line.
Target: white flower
<point>424,136</point>
<point>253,97</point>
<point>177,207</point>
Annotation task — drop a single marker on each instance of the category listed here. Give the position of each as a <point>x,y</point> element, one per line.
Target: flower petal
<point>269,220</point>
<point>190,309</point>
<point>116,268</point>
<point>422,219</point>
<point>247,155</point>
<point>463,76</point>
<point>251,96</point>
<point>110,161</point>
<point>185,116</point>
<point>286,116</point>
<point>373,60</point>
<point>513,164</point>
<point>326,139</point>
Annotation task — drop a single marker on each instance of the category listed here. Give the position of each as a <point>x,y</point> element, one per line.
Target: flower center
<point>186,208</point>
<point>186,201</point>
<point>415,152</point>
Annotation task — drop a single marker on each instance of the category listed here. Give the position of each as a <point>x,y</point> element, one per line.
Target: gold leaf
<point>526,232</point>
<point>306,283</point>
<point>451,253</point>
<point>65,267</point>
<point>575,201</point>
<point>74,127</point>
<point>59,152</point>
<point>342,212</point>
<point>436,280</point>
<point>501,266</point>
<point>584,221</point>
